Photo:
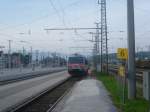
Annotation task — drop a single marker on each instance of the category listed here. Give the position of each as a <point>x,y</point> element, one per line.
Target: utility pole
<point>97,40</point>
<point>37,57</point>
<point>48,58</point>
<point>31,56</point>
<point>23,51</point>
<point>101,50</point>
<point>41,59</point>
<point>9,53</point>
<point>131,50</point>
<point>94,49</point>
<point>20,60</point>
<point>104,38</point>
<point>2,64</point>
<point>94,57</point>
<point>149,51</point>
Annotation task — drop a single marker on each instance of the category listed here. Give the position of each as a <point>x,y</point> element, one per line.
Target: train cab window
<point>74,60</point>
<point>86,62</point>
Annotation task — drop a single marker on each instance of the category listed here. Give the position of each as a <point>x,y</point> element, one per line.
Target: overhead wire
<point>55,9</point>
<point>63,13</point>
<point>38,18</point>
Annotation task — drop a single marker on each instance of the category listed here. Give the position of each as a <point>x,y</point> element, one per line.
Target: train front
<point>77,65</point>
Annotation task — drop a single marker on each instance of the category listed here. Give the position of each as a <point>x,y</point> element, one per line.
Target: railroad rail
<point>47,100</point>
<point>139,74</point>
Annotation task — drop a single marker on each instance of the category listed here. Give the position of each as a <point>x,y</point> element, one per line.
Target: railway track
<point>138,73</point>
<point>46,101</point>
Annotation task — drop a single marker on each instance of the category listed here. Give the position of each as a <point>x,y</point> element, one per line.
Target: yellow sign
<point>121,71</point>
<point>122,53</point>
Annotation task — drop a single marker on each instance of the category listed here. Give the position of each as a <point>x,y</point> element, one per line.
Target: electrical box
<point>146,85</point>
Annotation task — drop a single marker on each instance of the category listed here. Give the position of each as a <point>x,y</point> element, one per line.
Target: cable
<point>55,9</point>
<point>63,13</point>
<point>38,18</point>
<point>6,35</point>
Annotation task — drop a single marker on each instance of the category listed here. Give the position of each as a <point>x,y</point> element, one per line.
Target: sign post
<point>122,54</point>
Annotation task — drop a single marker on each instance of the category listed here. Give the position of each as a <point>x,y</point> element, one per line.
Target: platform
<point>14,94</point>
<point>87,96</point>
<point>27,72</point>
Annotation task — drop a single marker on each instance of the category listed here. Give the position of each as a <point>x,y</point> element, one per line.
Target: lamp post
<point>2,59</point>
<point>9,54</point>
<point>31,49</point>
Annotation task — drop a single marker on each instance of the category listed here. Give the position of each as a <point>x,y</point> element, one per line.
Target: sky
<point>26,21</point>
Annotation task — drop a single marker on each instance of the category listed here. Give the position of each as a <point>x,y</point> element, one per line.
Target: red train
<point>77,65</point>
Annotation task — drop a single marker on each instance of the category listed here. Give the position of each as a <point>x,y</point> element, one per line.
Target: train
<point>77,65</point>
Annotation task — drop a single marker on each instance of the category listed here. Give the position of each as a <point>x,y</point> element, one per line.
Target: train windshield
<point>75,60</point>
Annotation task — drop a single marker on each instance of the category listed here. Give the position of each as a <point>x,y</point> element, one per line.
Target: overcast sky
<point>25,20</point>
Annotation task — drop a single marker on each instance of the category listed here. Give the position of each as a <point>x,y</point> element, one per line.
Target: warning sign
<point>121,71</point>
<point>122,53</point>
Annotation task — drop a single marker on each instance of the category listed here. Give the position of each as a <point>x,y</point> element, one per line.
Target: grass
<point>115,90</point>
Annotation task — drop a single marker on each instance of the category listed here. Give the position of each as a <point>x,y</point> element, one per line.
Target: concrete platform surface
<point>87,96</point>
<point>17,73</point>
<point>16,93</point>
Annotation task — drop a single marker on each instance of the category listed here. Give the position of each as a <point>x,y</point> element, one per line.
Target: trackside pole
<point>131,50</point>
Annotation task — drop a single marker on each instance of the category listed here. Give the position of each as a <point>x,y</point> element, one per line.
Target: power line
<point>79,28</point>
<point>39,18</point>
<point>57,12</point>
<point>63,13</point>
